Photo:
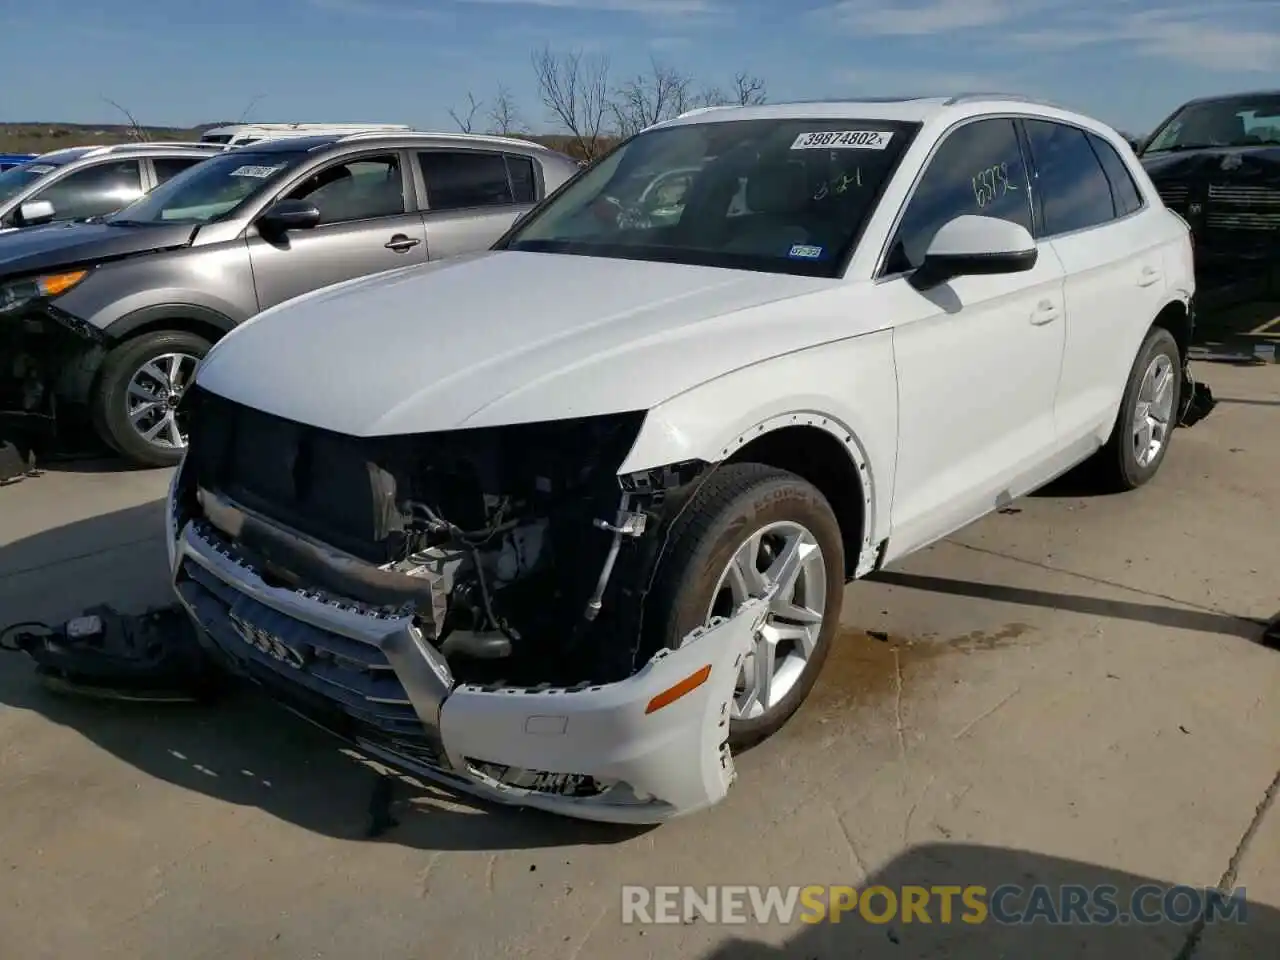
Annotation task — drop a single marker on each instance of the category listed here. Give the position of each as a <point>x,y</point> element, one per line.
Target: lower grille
<point>341,684</point>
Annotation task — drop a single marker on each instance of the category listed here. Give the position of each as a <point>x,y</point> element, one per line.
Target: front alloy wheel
<point>154,392</point>
<point>141,383</point>
<point>751,531</point>
<point>785,557</point>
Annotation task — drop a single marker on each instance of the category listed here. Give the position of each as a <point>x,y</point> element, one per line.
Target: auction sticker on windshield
<point>843,140</point>
<point>40,168</point>
<point>251,171</point>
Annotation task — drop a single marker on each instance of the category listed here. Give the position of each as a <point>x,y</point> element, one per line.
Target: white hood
<point>507,337</point>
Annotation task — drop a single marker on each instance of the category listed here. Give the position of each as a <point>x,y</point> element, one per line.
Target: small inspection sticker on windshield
<point>251,171</point>
<point>41,168</point>
<point>843,140</point>
<point>804,251</point>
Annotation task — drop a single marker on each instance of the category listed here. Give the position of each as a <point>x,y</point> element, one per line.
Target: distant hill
<point>41,137</point>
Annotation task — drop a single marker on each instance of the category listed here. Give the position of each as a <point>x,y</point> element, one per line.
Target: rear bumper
<point>587,752</point>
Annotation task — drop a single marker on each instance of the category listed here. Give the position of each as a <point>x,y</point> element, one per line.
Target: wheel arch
<point>817,447</point>
<point>81,378</point>
<point>187,317</point>
<point>824,453</point>
<point>1175,316</point>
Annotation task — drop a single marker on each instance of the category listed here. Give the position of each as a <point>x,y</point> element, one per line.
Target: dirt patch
<point>868,666</point>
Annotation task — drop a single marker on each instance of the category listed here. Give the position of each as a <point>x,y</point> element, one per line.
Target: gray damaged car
<point>108,320</point>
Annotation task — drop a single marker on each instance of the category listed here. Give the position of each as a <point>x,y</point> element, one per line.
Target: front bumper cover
<point>375,680</point>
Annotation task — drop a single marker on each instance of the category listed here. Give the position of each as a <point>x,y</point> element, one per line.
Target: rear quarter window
<point>1125,193</point>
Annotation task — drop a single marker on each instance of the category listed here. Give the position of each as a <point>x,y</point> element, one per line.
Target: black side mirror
<point>285,215</point>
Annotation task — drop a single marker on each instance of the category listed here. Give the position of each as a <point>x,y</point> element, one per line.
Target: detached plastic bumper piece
<point>1197,401</point>
<point>152,657</point>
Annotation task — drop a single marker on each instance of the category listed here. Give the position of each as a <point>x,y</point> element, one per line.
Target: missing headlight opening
<point>519,552</point>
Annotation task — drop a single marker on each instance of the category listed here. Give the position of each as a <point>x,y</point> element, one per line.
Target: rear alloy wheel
<point>749,529</point>
<point>1147,417</point>
<point>135,407</point>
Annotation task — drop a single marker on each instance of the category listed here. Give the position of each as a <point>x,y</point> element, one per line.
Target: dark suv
<point>1216,162</point>
<point>113,317</point>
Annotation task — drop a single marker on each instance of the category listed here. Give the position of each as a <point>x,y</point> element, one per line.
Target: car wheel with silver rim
<point>140,386</point>
<point>755,531</point>
<point>1148,414</point>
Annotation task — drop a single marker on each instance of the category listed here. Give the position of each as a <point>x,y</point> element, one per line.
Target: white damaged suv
<point>565,523</point>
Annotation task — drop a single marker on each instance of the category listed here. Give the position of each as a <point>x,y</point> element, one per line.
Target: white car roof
<point>930,111</point>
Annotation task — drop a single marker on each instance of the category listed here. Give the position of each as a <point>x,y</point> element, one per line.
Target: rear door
<point>473,197</point>
<point>1090,212</point>
<point>367,224</point>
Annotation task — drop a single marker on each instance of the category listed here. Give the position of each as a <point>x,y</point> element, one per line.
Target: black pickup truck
<point>1216,163</point>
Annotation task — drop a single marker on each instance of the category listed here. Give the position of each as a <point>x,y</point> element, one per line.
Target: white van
<point>237,135</point>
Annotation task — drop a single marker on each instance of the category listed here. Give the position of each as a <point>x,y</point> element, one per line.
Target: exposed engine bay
<point>519,553</point>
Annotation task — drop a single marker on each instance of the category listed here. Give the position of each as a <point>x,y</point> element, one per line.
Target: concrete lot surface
<point>1067,692</point>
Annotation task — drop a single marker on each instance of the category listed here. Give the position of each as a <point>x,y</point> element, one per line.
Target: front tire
<point>134,405</point>
<point>746,526</point>
<point>1148,414</point>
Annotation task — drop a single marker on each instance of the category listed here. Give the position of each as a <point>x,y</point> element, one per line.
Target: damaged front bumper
<point>640,750</point>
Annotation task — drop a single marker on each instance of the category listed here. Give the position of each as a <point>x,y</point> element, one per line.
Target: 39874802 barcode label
<point>843,140</point>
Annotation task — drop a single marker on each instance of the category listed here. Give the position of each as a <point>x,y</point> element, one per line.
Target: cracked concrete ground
<point>1067,692</point>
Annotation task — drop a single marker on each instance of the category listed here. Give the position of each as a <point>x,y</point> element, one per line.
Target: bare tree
<point>504,116</point>
<point>467,122</point>
<point>575,90</point>
<point>136,129</point>
<point>750,90</point>
<point>642,101</point>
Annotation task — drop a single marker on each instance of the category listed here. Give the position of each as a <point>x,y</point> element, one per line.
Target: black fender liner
<point>158,313</point>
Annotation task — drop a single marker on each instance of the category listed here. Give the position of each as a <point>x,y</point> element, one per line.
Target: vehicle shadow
<point>1178,618</point>
<point>1251,933</point>
<point>243,749</point>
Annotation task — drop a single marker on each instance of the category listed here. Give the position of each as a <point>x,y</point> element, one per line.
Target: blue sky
<point>1126,61</point>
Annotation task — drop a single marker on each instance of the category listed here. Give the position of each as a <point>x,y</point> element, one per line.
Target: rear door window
<point>1073,190</point>
<point>463,179</point>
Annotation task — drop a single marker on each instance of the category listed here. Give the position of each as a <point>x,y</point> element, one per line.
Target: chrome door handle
<point>1046,312</point>
<point>401,244</point>
<point>1148,276</point>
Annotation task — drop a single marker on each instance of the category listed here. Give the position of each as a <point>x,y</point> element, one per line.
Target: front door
<point>367,225</point>
<point>978,357</point>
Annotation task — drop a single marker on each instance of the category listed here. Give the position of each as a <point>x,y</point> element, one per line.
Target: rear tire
<point>740,514</point>
<point>1148,414</point>
<point>135,395</point>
